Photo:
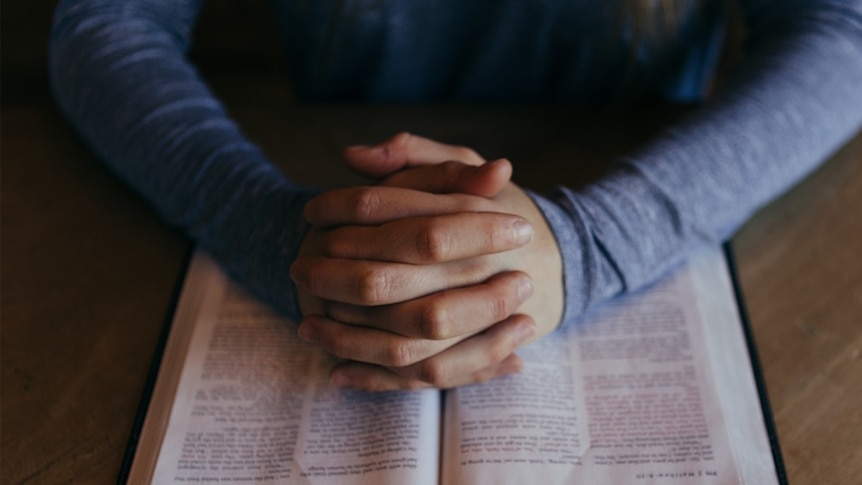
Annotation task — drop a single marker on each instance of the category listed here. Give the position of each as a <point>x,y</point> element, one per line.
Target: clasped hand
<point>431,278</point>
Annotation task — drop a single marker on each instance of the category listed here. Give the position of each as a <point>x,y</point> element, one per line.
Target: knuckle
<point>367,203</point>
<point>434,321</point>
<point>398,354</point>
<point>373,286</point>
<point>400,145</point>
<point>433,244</point>
<point>499,306</point>
<point>402,138</point>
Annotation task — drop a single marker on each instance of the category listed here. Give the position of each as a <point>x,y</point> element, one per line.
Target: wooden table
<point>88,274</point>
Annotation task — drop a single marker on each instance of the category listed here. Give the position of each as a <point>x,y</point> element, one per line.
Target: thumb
<point>405,150</point>
<point>373,161</point>
<point>454,177</point>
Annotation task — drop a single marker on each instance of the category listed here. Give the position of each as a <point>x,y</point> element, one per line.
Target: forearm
<point>795,99</point>
<point>119,73</point>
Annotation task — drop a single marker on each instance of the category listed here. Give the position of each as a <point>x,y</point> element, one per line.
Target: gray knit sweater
<point>120,74</point>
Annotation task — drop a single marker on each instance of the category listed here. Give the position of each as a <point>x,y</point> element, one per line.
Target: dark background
<point>244,45</point>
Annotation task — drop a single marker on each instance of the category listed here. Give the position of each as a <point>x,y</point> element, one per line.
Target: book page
<point>732,368</point>
<point>626,395</point>
<point>526,428</point>
<point>253,406</point>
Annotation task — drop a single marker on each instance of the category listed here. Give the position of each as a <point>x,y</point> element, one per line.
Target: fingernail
<point>293,271</point>
<point>488,166</point>
<point>339,379</point>
<point>493,164</point>
<point>510,366</point>
<point>306,332</point>
<point>523,231</point>
<point>525,288</point>
<point>381,151</point>
<point>525,332</point>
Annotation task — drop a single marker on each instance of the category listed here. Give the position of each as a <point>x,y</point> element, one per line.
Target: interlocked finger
<point>406,150</point>
<point>377,205</point>
<point>457,365</point>
<point>426,240</point>
<point>374,378</point>
<point>371,283</point>
<point>447,314</point>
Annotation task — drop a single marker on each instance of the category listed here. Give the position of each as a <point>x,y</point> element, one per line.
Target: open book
<point>655,387</point>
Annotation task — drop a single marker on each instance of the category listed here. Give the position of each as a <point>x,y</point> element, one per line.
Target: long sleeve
<point>119,73</point>
<point>794,100</point>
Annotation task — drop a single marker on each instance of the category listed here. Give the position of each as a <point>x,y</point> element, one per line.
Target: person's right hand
<point>463,333</point>
<point>430,324</point>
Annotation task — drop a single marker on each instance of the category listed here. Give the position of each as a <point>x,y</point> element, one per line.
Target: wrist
<point>256,238</point>
<point>586,275</point>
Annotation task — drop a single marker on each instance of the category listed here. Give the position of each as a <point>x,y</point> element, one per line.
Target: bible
<point>657,386</point>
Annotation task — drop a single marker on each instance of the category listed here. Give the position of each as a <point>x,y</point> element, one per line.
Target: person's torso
<point>487,50</point>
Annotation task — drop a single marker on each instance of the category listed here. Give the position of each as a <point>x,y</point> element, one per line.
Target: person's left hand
<point>421,288</point>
